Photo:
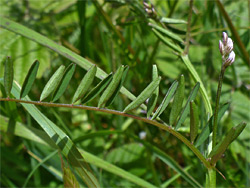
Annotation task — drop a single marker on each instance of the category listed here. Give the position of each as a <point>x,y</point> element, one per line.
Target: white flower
<point>225,37</point>
<point>221,47</point>
<point>230,59</point>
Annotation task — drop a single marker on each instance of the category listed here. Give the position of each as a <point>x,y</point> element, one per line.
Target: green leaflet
<point>112,98</point>
<point>208,127</point>
<point>166,41</point>
<point>166,32</point>
<point>238,129</point>
<point>178,101</point>
<point>111,87</point>
<point>52,83</point>
<point>97,89</point>
<point>166,100</point>
<point>220,148</point>
<point>172,21</point>
<point>29,79</point>
<point>85,84</point>
<point>8,75</point>
<point>146,93</point>
<point>64,82</point>
<point>186,108</point>
<point>194,121</point>
<point>153,99</point>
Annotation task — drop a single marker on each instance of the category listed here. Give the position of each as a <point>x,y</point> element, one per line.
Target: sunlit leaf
<point>52,83</point>
<point>153,99</point>
<point>97,89</point>
<point>145,94</point>
<point>166,100</point>
<point>111,87</point>
<point>112,98</point>
<point>64,82</point>
<point>85,84</point>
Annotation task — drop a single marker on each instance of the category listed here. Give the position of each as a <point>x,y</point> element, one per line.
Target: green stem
<point>215,126</point>
<point>149,121</point>
<point>188,27</point>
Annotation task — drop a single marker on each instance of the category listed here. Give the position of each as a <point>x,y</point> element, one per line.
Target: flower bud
<point>229,46</point>
<point>225,37</point>
<point>221,47</point>
<point>230,59</point>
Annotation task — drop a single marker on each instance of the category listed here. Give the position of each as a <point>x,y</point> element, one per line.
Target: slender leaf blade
<point>69,179</point>
<point>166,41</point>
<point>146,93</point>
<point>220,148</point>
<point>166,100</point>
<point>8,75</point>
<point>85,84</point>
<point>178,101</point>
<point>153,99</point>
<point>112,98</point>
<point>166,32</point>
<point>172,21</point>
<point>208,127</point>
<point>194,121</point>
<point>52,83</point>
<point>186,108</point>
<point>29,79</point>
<point>111,87</point>
<point>97,89</point>
<point>64,82</point>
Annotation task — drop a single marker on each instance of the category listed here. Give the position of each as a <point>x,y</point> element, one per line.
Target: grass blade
<point>69,179</point>
<point>52,83</point>
<point>145,94</point>
<point>97,89</point>
<point>111,87</point>
<point>112,98</point>
<point>64,82</point>
<point>197,78</point>
<point>41,137</point>
<point>238,129</point>
<point>68,54</point>
<point>37,166</point>
<point>153,99</point>
<point>166,100</point>
<point>194,121</point>
<point>85,84</point>
<point>208,127</point>
<point>186,108</point>
<point>8,75</point>
<point>166,32</point>
<point>61,140</point>
<point>172,21</point>
<point>29,79</point>
<point>178,101</point>
<point>166,41</point>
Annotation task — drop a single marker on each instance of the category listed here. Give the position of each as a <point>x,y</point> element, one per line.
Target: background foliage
<point>83,28</point>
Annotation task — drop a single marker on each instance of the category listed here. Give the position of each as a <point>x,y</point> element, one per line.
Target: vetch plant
<point>145,126</point>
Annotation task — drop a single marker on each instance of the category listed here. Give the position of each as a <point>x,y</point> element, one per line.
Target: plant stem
<point>215,126</point>
<point>188,27</point>
<point>149,121</point>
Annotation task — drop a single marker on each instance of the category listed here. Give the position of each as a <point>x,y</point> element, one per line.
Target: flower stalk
<point>228,57</point>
